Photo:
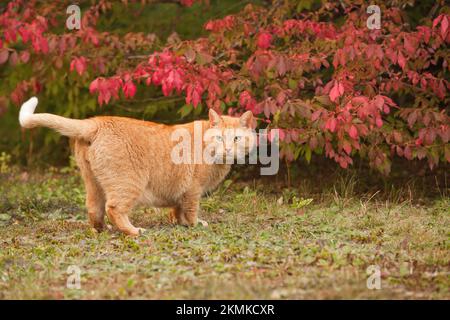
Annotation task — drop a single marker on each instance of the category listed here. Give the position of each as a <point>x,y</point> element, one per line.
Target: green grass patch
<point>262,244</point>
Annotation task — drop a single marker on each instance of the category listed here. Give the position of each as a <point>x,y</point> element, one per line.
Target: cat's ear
<point>246,119</point>
<point>214,118</point>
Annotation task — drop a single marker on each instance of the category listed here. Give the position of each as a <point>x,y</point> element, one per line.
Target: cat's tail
<point>79,129</point>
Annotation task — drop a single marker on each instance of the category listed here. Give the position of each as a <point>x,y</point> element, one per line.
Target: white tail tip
<point>26,110</point>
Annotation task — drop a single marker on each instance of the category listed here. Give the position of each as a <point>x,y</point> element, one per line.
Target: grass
<point>262,242</point>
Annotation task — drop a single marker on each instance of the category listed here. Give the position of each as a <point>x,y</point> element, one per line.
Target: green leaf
<point>292,84</point>
<point>276,116</point>
<point>185,110</point>
<point>304,4</point>
<point>307,153</point>
<point>198,110</point>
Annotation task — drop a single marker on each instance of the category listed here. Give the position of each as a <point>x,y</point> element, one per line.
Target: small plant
<point>291,196</point>
<point>298,203</point>
<point>344,190</point>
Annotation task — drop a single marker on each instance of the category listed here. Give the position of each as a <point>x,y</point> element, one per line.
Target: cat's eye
<point>219,138</point>
<point>237,138</point>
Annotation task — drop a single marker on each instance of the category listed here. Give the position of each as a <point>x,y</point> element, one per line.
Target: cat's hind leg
<point>119,204</point>
<point>95,199</point>
<point>95,204</point>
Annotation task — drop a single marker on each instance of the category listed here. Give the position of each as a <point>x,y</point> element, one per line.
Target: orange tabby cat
<point>125,161</point>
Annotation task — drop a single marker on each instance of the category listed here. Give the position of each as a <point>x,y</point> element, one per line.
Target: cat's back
<point>130,124</point>
<point>124,122</point>
<point>123,128</point>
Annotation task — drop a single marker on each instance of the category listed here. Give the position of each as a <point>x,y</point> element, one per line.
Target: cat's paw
<point>135,232</point>
<point>141,231</point>
<point>202,222</point>
<point>99,229</point>
<point>94,230</point>
<point>172,218</point>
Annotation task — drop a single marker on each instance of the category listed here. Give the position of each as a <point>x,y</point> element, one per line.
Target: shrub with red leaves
<point>334,86</point>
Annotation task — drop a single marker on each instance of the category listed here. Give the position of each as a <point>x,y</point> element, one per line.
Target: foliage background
<point>66,95</point>
<point>129,32</point>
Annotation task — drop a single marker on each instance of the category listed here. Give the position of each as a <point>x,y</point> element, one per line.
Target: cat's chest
<point>151,198</point>
<point>214,177</point>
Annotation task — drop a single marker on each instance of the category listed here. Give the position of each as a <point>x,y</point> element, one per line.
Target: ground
<point>262,242</point>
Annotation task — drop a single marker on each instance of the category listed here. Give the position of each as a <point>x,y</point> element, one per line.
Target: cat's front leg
<point>190,207</point>
<point>176,215</point>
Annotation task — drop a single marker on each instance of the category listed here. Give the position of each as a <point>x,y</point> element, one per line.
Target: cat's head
<point>230,137</point>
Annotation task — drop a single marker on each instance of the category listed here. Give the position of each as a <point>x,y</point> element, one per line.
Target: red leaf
<point>410,45</point>
<point>412,118</point>
<point>264,40</point>
<point>353,132</point>
<point>444,27</point>
<point>209,26</point>
<point>247,101</point>
<point>313,143</point>
<point>340,88</point>
<point>437,20</point>
<point>343,162</point>
<point>25,34</point>
<point>347,147</point>
<point>379,102</point>
<point>129,89</point>
<point>331,124</point>
<point>271,135</point>
<point>336,91</point>
<point>194,94</point>
<point>379,122</point>
<point>14,58</point>
<point>281,98</point>
<point>196,98</point>
<point>408,153</point>
<point>4,56</point>
<point>282,134</point>
<point>397,137</point>
<point>25,56</point>
<point>43,44</point>
<point>93,87</point>
<point>78,64</point>
<point>281,66</point>
<point>316,115</point>
<point>401,60</point>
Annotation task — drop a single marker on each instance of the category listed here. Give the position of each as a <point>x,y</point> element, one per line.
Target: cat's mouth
<point>227,157</point>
